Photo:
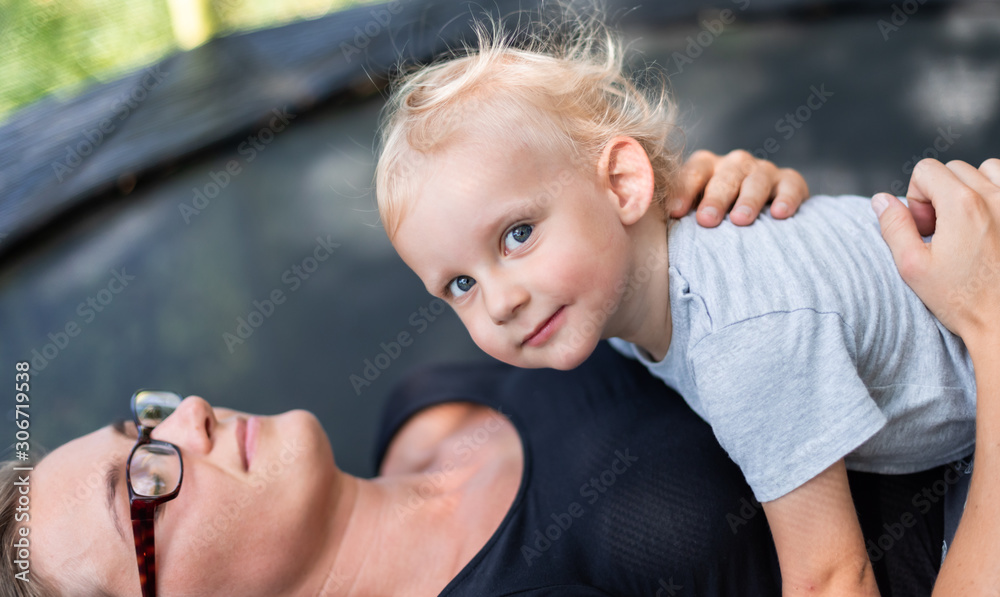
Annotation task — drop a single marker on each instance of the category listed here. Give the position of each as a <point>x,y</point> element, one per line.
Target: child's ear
<point>625,168</point>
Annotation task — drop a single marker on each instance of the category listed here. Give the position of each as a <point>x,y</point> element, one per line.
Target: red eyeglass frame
<point>144,507</point>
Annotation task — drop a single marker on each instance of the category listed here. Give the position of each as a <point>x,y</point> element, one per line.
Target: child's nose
<point>503,300</point>
<point>190,426</point>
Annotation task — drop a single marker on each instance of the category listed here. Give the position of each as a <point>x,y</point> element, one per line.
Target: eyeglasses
<point>154,471</point>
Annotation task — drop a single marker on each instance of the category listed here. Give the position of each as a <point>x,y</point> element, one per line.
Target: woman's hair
<point>9,535</point>
<point>563,79</point>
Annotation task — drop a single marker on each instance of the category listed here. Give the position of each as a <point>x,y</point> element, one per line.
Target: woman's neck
<point>390,541</point>
<point>411,533</point>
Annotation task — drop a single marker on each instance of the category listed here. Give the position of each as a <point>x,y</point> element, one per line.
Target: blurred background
<point>186,186</point>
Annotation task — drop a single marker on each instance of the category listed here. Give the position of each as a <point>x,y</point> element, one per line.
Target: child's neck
<point>644,313</point>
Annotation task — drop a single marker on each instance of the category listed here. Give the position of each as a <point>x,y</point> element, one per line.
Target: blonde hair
<point>9,535</point>
<point>566,78</point>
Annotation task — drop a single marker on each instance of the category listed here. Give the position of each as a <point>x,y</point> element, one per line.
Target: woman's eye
<point>517,236</point>
<point>461,285</point>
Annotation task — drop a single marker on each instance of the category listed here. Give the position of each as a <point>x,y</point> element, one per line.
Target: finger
<point>991,170</point>
<point>789,193</point>
<point>722,190</point>
<point>755,191</point>
<point>926,171</point>
<point>966,187</point>
<point>693,176</point>
<point>972,177</point>
<point>924,216</point>
<point>900,232</point>
<point>928,175</point>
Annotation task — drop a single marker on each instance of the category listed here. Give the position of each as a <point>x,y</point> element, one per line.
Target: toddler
<point>525,187</point>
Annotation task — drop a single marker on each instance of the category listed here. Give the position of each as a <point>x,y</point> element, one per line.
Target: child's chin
<point>567,364</point>
<point>563,360</point>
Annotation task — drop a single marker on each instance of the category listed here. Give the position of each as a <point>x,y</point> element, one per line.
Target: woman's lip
<point>241,440</point>
<point>545,331</point>
<point>252,431</point>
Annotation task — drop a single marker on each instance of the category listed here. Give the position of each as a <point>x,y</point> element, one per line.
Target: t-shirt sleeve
<point>783,396</point>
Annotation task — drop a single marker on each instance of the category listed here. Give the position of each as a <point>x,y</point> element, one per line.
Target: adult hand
<point>957,273</point>
<point>736,178</point>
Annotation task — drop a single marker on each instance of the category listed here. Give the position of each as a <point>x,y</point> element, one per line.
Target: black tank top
<point>625,491</point>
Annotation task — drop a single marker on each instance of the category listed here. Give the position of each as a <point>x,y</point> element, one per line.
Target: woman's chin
<point>297,437</point>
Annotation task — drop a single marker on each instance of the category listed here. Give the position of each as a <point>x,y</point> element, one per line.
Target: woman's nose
<point>190,426</point>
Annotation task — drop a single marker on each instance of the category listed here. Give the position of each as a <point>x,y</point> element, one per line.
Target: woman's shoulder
<point>436,431</point>
<point>416,401</point>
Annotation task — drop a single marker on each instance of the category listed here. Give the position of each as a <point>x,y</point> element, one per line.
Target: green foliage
<point>63,46</point>
<point>66,45</point>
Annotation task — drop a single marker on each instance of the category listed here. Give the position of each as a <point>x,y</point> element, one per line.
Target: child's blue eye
<point>461,285</point>
<point>518,235</point>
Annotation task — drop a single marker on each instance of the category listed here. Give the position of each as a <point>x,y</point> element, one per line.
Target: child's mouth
<point>544,331</point>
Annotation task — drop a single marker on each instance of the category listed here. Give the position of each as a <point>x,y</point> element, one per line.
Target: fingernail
<point>743,212</point>
<point>673,205</point>
<point>710,213</point>
<point>780,209</point>
<point>879,203</point>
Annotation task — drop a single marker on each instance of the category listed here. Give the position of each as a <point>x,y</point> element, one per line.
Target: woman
<point>265,511</point>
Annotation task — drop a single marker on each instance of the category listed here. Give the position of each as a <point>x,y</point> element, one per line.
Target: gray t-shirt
<point>800,344</point>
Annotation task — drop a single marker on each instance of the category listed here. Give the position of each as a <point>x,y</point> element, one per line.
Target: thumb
<point>899,231</point>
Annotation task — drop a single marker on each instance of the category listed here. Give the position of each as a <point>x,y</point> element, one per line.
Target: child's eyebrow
<point>512,210</point>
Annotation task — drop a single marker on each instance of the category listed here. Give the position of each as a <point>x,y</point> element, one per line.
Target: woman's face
<point>250,517</point>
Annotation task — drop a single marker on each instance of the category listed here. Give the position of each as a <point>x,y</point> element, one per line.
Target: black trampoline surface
<point>224,241</point>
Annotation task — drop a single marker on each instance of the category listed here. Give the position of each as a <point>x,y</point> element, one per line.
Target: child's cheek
<point>484,335</point>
